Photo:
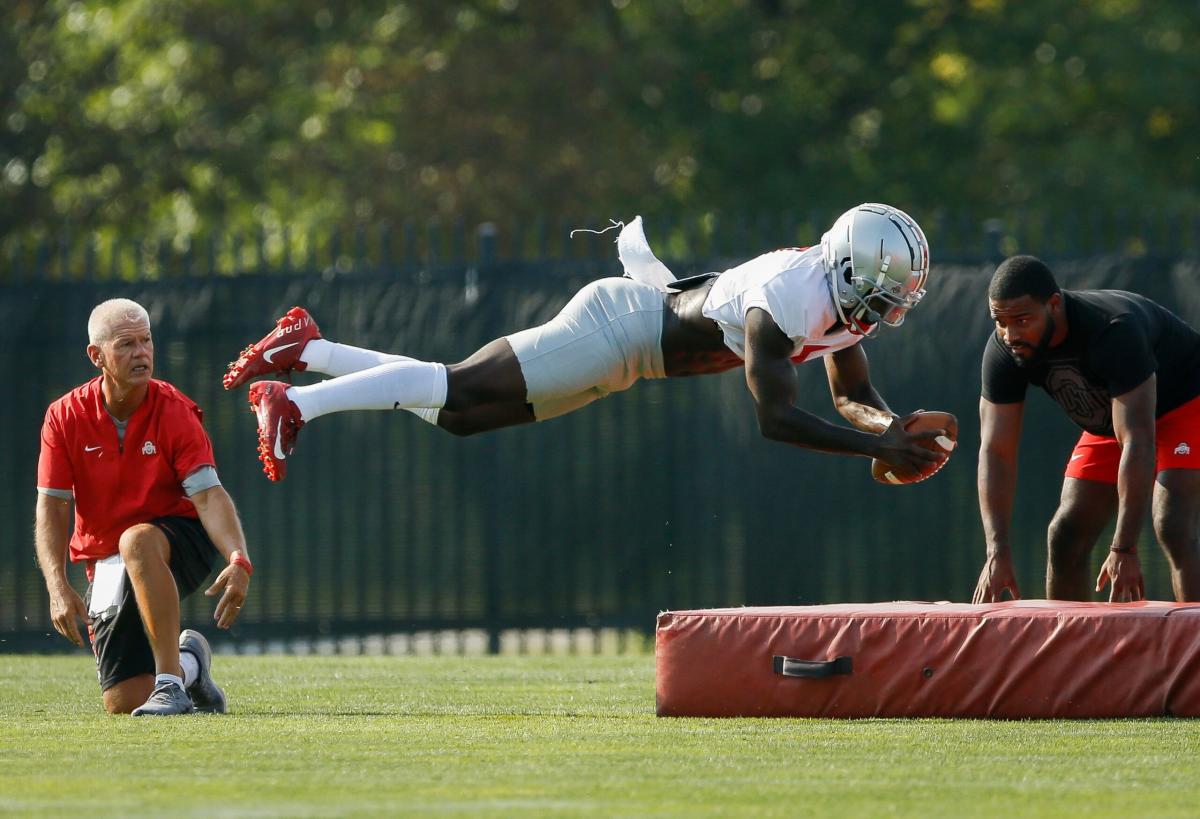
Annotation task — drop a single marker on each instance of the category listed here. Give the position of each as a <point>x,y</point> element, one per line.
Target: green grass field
<point>546,736</point>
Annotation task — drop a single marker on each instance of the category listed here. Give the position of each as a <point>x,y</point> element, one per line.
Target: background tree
<point>166,118</point>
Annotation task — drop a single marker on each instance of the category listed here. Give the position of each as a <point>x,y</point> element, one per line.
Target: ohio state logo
<point>1087,403</point>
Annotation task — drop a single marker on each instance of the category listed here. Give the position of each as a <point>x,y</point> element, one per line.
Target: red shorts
<point>1176,439</point>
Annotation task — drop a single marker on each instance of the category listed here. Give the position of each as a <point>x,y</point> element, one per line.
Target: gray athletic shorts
<point>607,337</point>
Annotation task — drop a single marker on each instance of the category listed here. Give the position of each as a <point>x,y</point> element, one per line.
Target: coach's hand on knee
<point>66,610</point>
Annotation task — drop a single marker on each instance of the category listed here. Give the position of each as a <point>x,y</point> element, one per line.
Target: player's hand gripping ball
<point>943,445</point>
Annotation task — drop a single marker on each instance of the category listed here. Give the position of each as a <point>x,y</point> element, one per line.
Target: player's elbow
<point>845,405</point>
<point>1000,455</point>
<point>1137,438</point>
<point>772,425</point>
<point>997,467</point>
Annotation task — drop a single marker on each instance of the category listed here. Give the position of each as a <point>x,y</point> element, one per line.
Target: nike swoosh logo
<point>269,355</point>
<point>91,448</point>
<point>279,434</point>
<point>1076,457</point>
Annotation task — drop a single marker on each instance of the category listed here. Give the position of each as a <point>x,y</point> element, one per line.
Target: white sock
<point>191,668</point>
<point>159,679</point>
<point>331,358</point>
<point>398,385</point>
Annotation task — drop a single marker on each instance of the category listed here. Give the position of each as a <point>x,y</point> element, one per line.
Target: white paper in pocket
<point>108,585</point>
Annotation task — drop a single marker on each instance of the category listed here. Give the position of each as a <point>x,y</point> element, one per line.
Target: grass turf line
<point>546,736</point>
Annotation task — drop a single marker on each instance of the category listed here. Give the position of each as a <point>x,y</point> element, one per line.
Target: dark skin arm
<point>771,379</point>
<point>853,394</point>
<point>1000,437</point>
<point>1133,422</point>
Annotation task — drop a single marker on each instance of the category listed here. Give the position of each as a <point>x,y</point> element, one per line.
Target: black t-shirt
<point>1115,341</point>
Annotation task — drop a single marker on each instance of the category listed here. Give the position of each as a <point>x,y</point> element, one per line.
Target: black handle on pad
<point>811,669</point>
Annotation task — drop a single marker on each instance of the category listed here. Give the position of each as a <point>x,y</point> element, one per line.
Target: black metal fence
<point>957,237</point>
<point>661,497</point>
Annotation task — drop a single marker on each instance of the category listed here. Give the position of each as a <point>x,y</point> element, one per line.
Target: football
<point>943,444</point>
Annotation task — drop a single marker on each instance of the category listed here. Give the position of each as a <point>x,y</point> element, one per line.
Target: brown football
<point>886,473</point>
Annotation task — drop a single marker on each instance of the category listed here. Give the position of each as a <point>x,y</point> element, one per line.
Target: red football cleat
<point>278,423</point>
<point>279,352</point>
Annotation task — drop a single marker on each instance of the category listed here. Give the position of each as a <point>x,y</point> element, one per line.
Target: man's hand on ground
<point>235,582</point>
<point>66,612</point>
<point>996,578</point>
<point>1125,571</point>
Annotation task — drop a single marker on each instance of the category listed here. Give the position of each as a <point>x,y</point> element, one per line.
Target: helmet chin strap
<point>853,322</point>
<point>857,327</point>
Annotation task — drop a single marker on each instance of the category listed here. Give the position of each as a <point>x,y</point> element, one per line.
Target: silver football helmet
<point>876,258</point>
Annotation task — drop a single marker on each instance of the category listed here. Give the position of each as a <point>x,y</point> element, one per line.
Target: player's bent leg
<point>128,694</point>
<point>606,338</point>
<point>147,556</point>
<point>484,392</point>
<point>487,391</point>
<point>1085,508</point>
<point>1177,528</point>
<point>296,344</point>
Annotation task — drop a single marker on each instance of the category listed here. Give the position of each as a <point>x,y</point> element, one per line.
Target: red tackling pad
<point>1011,660</point>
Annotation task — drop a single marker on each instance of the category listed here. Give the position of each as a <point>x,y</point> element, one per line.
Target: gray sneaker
<point>209,699</point>
<point>166,700</point>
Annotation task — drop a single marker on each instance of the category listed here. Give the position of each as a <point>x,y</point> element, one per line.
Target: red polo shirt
<point>116,487</point>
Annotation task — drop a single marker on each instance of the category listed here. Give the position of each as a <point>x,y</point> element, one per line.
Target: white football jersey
<point>790,285</point>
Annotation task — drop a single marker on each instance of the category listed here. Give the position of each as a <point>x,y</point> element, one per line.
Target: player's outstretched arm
<point>1000,436</point>
<point>771,379</point>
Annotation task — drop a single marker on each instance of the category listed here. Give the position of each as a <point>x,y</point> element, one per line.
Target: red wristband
<point>239,559</point>
<point>1123,550</point>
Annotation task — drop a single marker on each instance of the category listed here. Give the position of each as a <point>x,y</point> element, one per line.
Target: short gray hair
<point>107,313</point>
